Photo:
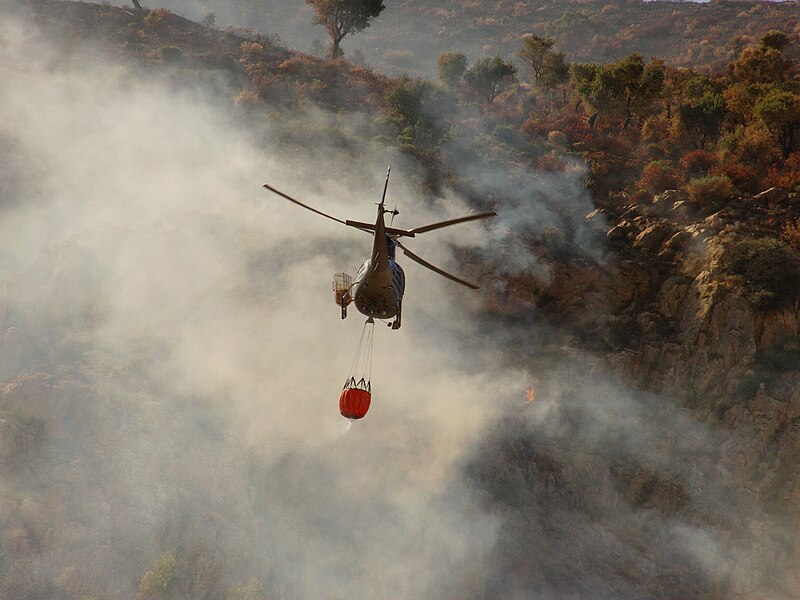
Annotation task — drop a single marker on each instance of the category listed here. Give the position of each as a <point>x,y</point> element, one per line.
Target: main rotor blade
<point>432,226</point>
<point>371,227</point>
<point>314,210</point>
<point>436,269</point>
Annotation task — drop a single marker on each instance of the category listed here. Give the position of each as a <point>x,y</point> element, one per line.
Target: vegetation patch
<point>784,358</point>
<point>707,190</point>
<point>766,269</point>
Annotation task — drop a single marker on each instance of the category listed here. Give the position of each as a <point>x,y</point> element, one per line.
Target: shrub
<point>658,176</point>
<point>251,51</point>
<point>743,177</point>
<point>698,162</point>
<point>552,237</point>
<point>247,98</point>
<point>160,581</point>
<point>709,189</point>
<point>155,18</point>
<point>551,162</point>
<point>768,270</point>
<point>786,175</point>
<point>791,233</point>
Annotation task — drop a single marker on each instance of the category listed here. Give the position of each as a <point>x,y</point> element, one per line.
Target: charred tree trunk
<point>137,5</point>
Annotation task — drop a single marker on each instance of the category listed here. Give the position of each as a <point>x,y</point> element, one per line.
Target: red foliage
<point>743,177</point>
<point>698,162</point>
<point>785,176</point>
<point>658,176</point>
<point>551,163</point>
<point>308,68</point>
<point>535,128</point>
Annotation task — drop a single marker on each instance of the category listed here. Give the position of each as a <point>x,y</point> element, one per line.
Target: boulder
<point>594,214</point>
<point>771,196</point>
<point>652,237</point>
<point>620,233</point>
<point>666,200</point>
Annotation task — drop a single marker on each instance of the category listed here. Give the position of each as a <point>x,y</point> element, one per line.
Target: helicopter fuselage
<point>380,282</point>
<point>379,293</point>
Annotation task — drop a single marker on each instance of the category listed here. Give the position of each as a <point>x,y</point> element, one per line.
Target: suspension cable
<point>362,360</point>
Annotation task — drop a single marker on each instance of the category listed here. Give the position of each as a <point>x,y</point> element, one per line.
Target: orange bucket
<point>354,403</point>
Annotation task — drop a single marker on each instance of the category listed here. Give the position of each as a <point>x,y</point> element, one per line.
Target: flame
<point>531,394</point>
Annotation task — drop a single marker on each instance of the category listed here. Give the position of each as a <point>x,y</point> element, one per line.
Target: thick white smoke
<point>144,262</point>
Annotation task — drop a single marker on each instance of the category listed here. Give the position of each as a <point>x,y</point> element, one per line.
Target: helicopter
<point>380,281</point>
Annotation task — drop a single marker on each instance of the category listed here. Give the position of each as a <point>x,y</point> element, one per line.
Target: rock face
<point>688,328</point>
<point>660,310</point>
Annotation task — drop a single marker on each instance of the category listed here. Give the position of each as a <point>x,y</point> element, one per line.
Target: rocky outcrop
<point>678,325</point>
<point>659,310</point>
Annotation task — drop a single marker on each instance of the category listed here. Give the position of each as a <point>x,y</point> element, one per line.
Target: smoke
<point>185,355</point>
<point>172,356</point>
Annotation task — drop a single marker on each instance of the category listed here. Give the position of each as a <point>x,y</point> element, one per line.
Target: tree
<point>762,64</point>
<point>421,112</point>
<point>489,76</point>
<point>740,97</point>
<point>780,112</point>
<point>775,39</point>
<point>451,68</point>
<point>342,17</point>
<point>702,117</point>
<point>534,52</point>
<point>555,70</point>
<point>627,88</point>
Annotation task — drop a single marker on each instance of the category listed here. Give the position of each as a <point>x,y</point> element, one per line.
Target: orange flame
<point>531,394</point>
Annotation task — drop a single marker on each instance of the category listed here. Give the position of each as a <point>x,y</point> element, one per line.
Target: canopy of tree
<point>342,17</point>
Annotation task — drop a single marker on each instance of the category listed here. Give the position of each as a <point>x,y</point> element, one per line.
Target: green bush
<point>709,189</point>
<point>767,269</point>
<point>160,581</point>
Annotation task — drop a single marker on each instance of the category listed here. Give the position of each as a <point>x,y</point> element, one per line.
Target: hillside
<point>411,34</point>
<point>615,415</point>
